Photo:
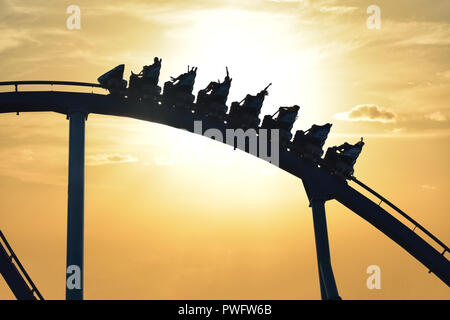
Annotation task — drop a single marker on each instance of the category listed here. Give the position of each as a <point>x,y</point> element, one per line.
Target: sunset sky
<point>171,215</point>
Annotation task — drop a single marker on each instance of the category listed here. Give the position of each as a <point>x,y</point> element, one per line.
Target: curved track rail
<point>16,84</point>
<point>317,181</point>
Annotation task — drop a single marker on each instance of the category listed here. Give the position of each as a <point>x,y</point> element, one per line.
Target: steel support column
<point>328,288</point>
<point>75,207</point>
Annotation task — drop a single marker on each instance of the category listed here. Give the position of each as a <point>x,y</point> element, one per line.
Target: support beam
<point>75,207</point>
<point>13,278</point>
<point>328,288</point>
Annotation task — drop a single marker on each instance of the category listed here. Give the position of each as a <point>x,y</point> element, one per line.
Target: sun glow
<point>259,48</point>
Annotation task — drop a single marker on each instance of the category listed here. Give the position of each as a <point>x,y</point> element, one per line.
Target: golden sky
<point>171,215</point>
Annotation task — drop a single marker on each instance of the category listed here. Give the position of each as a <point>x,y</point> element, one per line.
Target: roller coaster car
<point>211,101</point>
<point>113,80</point>
<point>141,89</point>
<point>245,114</point>
<point>283,122</point>
<point>145,84</point>
<point>309,144</point>
<point>178,91</point>
<point>340,160</point>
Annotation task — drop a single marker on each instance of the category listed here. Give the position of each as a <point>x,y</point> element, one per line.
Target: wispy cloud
<point>27,164</point>
<point>398,130</point>
<point>426,33</point>
<point>425,134</point>
<point>288,1</point>
<point>428,187</point>
<point>337,9</point>
<point>444,74</point>
<point>102,159</point>
<point>367,112</point>
<point>436,116</point>
<point>13,38</point>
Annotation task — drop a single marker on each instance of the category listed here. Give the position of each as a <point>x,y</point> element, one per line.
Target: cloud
<point>367,112</point>
<point>338,9</point>
<point>426,33</point>
<point>102,159</point>
<point>406,133</point>
<point>398,130</point>
<point>12,38</point>
<point>288,0</point>
<point>428,187</point>
<point>27,163</point>
<point>444,74</point>
<point>436,116</point>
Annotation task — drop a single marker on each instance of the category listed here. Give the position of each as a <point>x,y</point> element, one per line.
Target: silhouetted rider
<point>186,80</point>
<point>254,103</point>
<point>151,72</point>
<point>287,116</point>
<point>351,152</point>
<point>221,90</point>
<point>218,91</point>
<point>319,133</point>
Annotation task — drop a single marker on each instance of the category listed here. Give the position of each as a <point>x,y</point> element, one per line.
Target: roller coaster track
<point>319,184</point>
<point>14,273</point>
